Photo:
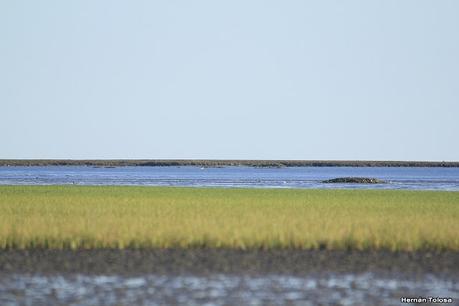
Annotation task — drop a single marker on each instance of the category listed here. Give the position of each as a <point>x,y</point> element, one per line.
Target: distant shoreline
<point>221,163</point>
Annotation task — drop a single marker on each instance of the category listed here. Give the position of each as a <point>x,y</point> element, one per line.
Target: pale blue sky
<point>235,79</point>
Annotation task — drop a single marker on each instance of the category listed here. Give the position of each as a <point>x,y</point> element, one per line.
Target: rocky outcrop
<point>355,180</point>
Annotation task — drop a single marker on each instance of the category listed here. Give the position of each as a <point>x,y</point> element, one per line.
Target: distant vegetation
<point>221,163</point>
<point>159,217</point>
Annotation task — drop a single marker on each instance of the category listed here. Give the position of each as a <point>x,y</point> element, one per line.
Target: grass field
<point>142,217</point>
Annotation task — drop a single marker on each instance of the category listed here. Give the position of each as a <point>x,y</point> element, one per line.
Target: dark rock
<point>355,180</point>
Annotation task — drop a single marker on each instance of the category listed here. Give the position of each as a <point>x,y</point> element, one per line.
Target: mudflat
<point>226,261</point>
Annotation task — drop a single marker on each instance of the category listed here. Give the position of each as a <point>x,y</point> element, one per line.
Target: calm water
<point>327,289</point>
<point>294,177</point>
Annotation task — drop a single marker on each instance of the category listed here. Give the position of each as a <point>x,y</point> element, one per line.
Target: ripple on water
<point>412,178</point>
<point>219,289</point>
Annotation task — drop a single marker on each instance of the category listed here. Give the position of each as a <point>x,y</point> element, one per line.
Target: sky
<point>322,80</point>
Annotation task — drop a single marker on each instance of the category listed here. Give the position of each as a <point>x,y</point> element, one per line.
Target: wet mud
<point>225,277</point>
<point>211,261</point>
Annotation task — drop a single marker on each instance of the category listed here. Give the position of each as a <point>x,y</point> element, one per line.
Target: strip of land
<point>113,217</point>
<point>222,163</point>
<point>202,261</point>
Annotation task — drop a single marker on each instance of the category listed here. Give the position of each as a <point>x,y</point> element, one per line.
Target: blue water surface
<point>416,178</point>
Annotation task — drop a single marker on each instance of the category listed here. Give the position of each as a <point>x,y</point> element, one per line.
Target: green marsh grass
<point>163,217</point>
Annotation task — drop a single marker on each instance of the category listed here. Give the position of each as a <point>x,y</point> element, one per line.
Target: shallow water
<point>220,289</point>
<point>248,177</point>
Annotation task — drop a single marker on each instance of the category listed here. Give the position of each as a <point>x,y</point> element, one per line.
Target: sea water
<point>413,178</point>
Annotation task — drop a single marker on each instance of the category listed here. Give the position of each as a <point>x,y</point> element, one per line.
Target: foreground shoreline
<point>222,163</point>
<point>204,261</point>
<point>205,276</point>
